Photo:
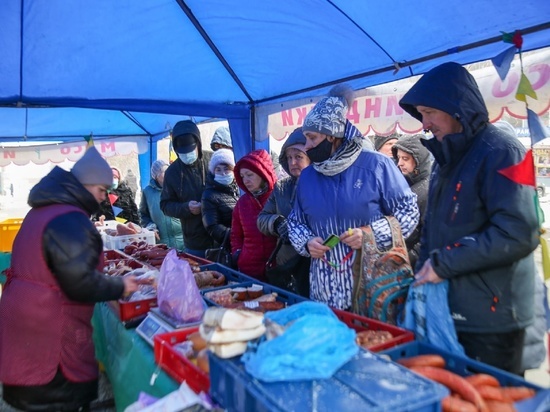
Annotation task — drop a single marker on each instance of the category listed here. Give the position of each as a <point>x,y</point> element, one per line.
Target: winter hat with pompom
<point>329,114</point>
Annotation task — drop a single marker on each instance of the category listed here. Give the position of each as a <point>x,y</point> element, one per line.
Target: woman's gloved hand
<point>281,227</point>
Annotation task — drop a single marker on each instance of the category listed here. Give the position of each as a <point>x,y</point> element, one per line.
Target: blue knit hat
<point>329,114</point>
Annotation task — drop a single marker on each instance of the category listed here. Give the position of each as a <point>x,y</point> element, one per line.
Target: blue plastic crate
<point>366,383</point>
<point>282,295</point>
<point>465,366</point>
<point>231,275</point>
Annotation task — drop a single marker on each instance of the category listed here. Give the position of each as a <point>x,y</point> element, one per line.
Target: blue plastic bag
<point>314,345</point>
<point>427,313</point>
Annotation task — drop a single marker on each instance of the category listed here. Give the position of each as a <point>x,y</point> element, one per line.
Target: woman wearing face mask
<point>120,204</point>
<point>272,219</point>
<point>345,188</point>
<point>167,229</point>
<point>255,175</point>
<point>220,196</point>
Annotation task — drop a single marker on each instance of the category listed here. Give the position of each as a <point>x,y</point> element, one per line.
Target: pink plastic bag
<point>177,292</point>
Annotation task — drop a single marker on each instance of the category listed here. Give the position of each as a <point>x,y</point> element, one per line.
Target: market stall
<point>127,359</point>
<point>362,379</point>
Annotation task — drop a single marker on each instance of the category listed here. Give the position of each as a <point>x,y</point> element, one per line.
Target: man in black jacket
<point>480,227</point>
<point>184,183</point>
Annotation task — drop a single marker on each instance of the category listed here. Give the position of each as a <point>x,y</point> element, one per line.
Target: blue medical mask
<point>226,179</point>
<point>115,184</point>
<point>189,158</point>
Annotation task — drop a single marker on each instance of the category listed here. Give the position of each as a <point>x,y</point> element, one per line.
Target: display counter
<point>127,359</point>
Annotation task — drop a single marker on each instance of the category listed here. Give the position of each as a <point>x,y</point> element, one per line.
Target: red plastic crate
<point>361,323</point>
<point>130,310</point>
<point>199,260</point>
<point>175,364</point>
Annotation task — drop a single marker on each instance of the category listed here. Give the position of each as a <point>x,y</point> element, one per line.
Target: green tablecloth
<point>128,360</point>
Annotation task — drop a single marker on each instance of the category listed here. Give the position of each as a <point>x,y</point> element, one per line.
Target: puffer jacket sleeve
<point>211,218</point>
<point>72,247</point>
<point>128,204</point>
<point>269,214</point>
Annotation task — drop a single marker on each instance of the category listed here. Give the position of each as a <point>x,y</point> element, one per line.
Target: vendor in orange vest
<point>47,357</point>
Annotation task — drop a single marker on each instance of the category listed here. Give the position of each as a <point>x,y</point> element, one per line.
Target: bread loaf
<point>232,318</point>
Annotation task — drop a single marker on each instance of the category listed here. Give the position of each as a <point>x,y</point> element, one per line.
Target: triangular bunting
<point>116,210</point>
<point>515,38</point>
<point>112,198</point>
<point>523,172</point>
<point>537,130</point>
<point>503,61</point>
<point>525,89</point>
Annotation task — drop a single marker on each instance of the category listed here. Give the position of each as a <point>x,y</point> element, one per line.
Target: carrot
<point>518,393</point>
<point>482,379</point>
<point>423,360</point>
<point>455,383</point>
<point>492,393</point>
<point>496,406</point>
<point>453,404</point>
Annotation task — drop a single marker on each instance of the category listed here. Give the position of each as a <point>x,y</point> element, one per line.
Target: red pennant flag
<point>523,172</point>
<point>517,39</point>
<point>112,198</point>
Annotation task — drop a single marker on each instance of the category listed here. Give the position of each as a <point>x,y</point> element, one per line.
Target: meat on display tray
<point>176,364</point>
<point>127,311</point>
<point>464,366</point>
<point>361,323</point>
<point>282,295</point>
<point>231,276</point>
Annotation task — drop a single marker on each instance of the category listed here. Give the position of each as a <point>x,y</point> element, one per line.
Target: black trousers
<point>501,350</point>
<point>58,395</point>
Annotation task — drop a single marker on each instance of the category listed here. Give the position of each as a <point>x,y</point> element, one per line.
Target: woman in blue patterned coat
<point>345,188</point>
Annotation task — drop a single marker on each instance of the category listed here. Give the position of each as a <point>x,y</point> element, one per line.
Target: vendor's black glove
<point>282,228</point>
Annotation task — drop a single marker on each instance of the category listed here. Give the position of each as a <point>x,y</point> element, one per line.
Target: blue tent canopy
<point>126,67</point>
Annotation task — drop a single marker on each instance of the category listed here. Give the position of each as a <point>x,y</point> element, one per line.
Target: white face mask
<point>226,179</point>
<point>189,158</point>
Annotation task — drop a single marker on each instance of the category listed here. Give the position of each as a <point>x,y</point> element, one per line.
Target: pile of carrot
<point>479,392</point>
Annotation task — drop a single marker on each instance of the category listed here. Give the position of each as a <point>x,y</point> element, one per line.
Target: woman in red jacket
<point>255,175</point>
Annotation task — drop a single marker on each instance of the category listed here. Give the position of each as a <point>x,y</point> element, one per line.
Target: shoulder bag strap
<point>396,233</point>
<point>222,246</point>
<point>273,255</point>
